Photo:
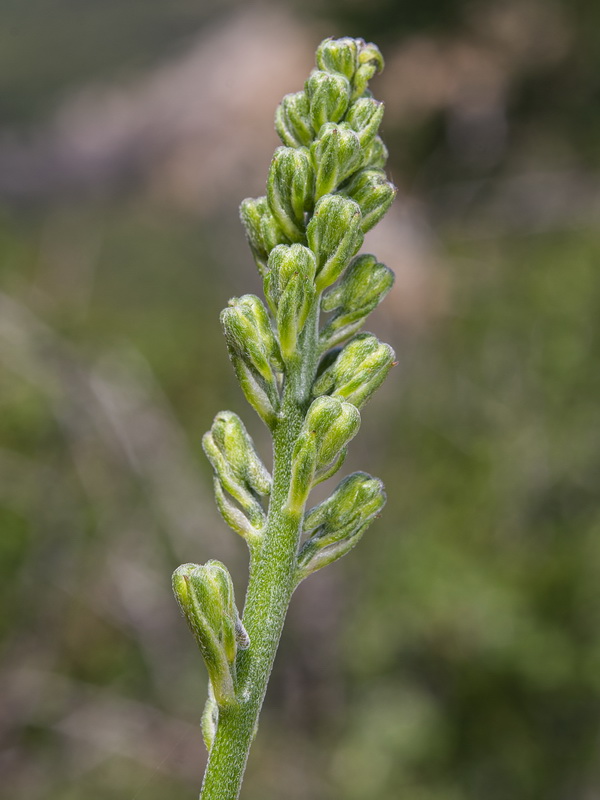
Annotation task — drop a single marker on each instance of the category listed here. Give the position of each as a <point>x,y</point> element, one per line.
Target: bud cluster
<point>326,188</point>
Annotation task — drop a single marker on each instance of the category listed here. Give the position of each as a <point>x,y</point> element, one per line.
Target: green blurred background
<point>455,655</point>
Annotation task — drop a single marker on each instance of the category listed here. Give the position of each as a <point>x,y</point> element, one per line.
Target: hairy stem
<point>270,587</point>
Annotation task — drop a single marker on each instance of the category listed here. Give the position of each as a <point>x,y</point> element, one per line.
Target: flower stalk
<point>325,188</point>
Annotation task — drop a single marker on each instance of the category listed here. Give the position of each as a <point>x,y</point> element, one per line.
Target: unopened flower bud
<point>363,286</point>
<point>250,339</point>
<point>293,122</point>
<point>335,155</point>
<point>374,194</point>
<point>338,55</point>
<point>375,155</point>
<point>333,424</point>
<point>290,290</point>
<point>262,229</point>
<point>228,444</point>
<point>365,117</point>
<point>334,235</point>
<point>206,597</point>
<point>290,189</point>
<point>359,369</point>
<point>370,62</point>
<point>328,94</point>
<point>284,262</point>
<point>340,521</point>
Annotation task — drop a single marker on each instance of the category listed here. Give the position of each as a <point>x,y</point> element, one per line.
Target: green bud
<point>334,235</point>
<point>370,62</point>
<point>250,338</point>
<point>340,521</point>
<point>328,95</point>
<point>338,55</point>
<point>376,154</point>
<point>364,285</point>
<point>336,154</point>
<point>262,230</point>
<point>333,424</point>
<point>365,117</point>
<point>374,194</point>
<point>239,470</point>
<point>235,443</point>
<point>292,120</point>
<point>285,262</point>
<point>290,189</point>
<point>206,597</point>
<point>290,291</point>
<point>360,368</point>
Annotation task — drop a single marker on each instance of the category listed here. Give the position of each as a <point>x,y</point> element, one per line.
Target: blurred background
<point>455,655</point>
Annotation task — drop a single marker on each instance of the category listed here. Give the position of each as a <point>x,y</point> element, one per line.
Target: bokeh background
<point>455,655</point>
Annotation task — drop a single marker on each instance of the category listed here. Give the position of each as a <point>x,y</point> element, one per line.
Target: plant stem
<point>270,587</point>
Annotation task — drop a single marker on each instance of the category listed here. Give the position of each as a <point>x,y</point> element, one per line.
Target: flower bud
<point>290,291</point>
<point>370,62</point>
<point>231,451</point>
<point>338,55</point>
<point>290,189</point>
<point>340,521</point>
<point>376,154</point>
<point>364,285</point>
<point>333,424</point>
<point>359,369</point>
<point>365,117</point>
<point>335,155</point>
<point>374,194</point>
<point>262,230</point>
<point>334,235</point>
<point>284,263</point>
<point>206,597</point>
<point>328,95</point>
<point>250,338</point>
<point>292,120</point>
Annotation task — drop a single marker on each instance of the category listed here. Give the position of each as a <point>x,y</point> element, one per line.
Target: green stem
<point>271,584</point>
